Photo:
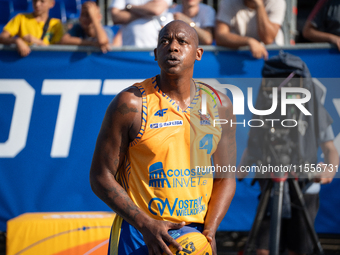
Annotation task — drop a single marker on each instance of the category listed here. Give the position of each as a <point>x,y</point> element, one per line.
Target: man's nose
<point>173,45</point>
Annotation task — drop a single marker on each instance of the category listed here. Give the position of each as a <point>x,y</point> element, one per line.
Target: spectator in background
<point>199,16</point>
<point>303,147</point>
<point>250,23</point>
<point>323,24</point>
<point>89,30</point>
<point>141,20</point>
<point>35,28</point>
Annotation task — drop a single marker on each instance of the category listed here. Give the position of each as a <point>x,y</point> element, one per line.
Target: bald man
<point>153,140</point>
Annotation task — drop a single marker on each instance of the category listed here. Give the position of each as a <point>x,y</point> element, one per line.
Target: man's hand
<point>211,239</point>
<point>257,49</point>
<point>258,3</point>
<point>329,168</point>
<point>327,174</point>
<point>92,10</point>
<point>254,4</point>
<point>313,34</point>
<point>105,48</point>
<point>22,47</point>
<point>336,40</point>
<point>155,234</point>
<point>183,17</point>
<point>32,40</point>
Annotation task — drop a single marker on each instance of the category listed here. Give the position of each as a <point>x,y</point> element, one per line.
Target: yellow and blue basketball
<point>192,241</point>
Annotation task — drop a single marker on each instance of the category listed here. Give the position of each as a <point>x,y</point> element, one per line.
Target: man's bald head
<point>180,25</point>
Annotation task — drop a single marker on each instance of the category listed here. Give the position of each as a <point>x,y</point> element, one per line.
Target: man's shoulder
<point>228,9</point>
<point>24,16</point>
<point>55,21</point>
<point>19,20</point>
<point>205,7</point>
<point>130,93</point>
<point>27,15</point>
<point>126,100</point>
<point>138,89</point>
<point>233,4</point>
<point>146,86</point>
<point>206,14</point>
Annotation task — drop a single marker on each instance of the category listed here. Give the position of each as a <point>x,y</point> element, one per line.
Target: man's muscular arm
<point>121,124</point>
<point>266,29</point>
<point>149,9</point>
<point>224,183</point>
<point>224,37</point>
<point>313,34</point>
<point>122,16</point>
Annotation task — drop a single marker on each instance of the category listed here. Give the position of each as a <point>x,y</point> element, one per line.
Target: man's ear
<point>155,53</point>
<point>52,3</point>
<point>199,53</point>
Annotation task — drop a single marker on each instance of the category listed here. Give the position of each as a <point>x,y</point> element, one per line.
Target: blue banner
<point>52,105</point>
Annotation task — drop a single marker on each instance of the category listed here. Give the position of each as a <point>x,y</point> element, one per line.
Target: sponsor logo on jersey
<point>176,178</point>
<point>184,207</point>
<point>205,118</point>
<point>157,176</point>
<point>161,112</point>
<point>166,124</point>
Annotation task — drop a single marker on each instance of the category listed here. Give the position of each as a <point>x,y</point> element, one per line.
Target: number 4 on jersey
<point>206,143</point>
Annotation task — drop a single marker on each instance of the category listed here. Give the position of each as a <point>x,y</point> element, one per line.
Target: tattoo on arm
<point>116,163</point>
<point>117,196</point>
<point>124,109</point>
<point>108,157</point>
<point>111,192</point>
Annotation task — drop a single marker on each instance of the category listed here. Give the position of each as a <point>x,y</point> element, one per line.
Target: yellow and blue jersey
<point>160,171</point>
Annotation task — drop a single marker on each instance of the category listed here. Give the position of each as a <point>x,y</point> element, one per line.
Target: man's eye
<point>164,41</point>
<point>182,41</point>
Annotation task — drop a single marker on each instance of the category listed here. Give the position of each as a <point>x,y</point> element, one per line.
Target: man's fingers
<point>24,51</point>
<point>326,180</point>
<point>158,248</point>
<point>151,250</point>
<point>172,241</point>
<point>103,49</point>
<point>208,234</point>
<point>176,225</point>
<point>209,238</point>
<point>166,248</point>
<point>265,54</point>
